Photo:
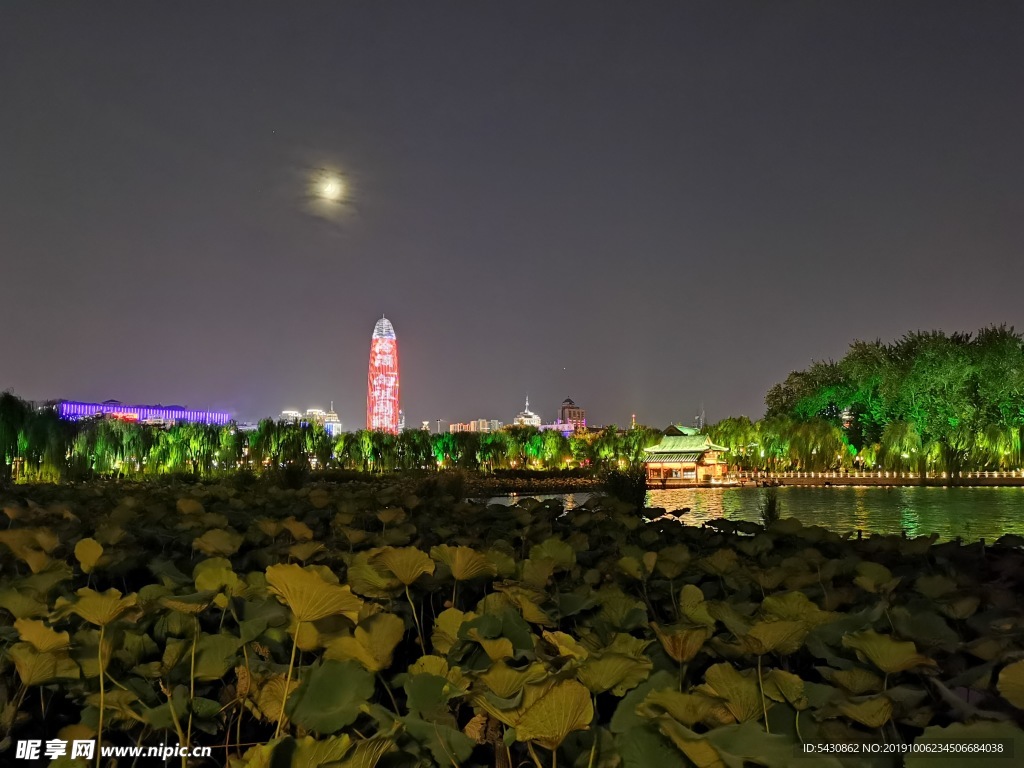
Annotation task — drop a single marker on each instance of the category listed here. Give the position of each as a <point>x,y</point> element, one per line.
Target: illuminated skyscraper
<point>382,411</point>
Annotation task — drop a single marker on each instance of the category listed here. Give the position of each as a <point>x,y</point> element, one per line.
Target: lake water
<point>971,513</point>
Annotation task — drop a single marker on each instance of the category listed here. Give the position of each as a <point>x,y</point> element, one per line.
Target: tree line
<point>928,402</point>
<point>38,446</point>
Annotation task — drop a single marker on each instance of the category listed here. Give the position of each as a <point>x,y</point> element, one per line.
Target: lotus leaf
<point>781,637</point>
<point>615,672</point>
<point>873,712</point>
<point>391,515</point>
<point>537,572</point>
<point>738,690</point>
<point>960,607</point>
<point>856,680</point>
<point>464,563</point>
<point>886,654</point>
<point>42,638</point>
<point>330,696</point>
<point>446,628</point>
<point>367,753</point>
<point>99,608</point>
<point>372,645</point>
<point>407,564</point>
<point>369,581</point>
<point>693,607</point>
<point>504,564</point>
<point>566,645</point>
<point>621,611</point>
<point>1010,736</point>
<point>38,668</point>
<point>1011,683</point>
<point>935,585</point>
<point>298,529</point>
<point>269,696</point>
<point>688,708</point>
<point>734,746</point>
<point>548,718</point>
<point>189,604</point>
<point>721,563</point>
<point>305,550</point>
<point>119,703</point>
<point>447,745</point>
<point>309,596</point>
<point>561,552</point>
<point>88,553</point>
<point>785,687</point>
<point>218,541</point>
<point>795,606</point>
<point>672,560</point>
<point>427,696</point>
<point>215,655</point>
<point>527,601</point>
<point>875,578</point>
<point>33,545</point>
<point>680,642</point>
<point>189,507</point>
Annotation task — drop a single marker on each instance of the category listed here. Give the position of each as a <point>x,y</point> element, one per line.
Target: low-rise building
<point>684,457</point>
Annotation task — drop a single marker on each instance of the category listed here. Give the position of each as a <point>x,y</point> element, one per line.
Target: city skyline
<point>646,208</point>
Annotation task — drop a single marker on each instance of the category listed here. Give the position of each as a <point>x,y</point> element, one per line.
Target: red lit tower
<point>382,382</point>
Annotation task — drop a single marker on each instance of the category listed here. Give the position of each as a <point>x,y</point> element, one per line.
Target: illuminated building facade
<point>526,417</point>
<point>382,402</point>
<point>570,413</point>
<point>73,410</point>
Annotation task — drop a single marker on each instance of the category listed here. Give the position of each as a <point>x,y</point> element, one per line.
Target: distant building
<point>327,419</point>
<point>684,457</point>
<point>477,425</point>
<point>527,418</point>
<point>426,426</point>
<point>72,410</point>
<point>401,420</point>
<point>570,413</point>
<point>332,423</point>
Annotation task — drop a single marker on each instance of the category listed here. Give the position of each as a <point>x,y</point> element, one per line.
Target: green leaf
<point>330,695</point>
<point>887,654</point>
<point>406,563</point>
<point>1011,683</point>
<point>447,745</point>
<point>565,707</point>
<point>88,552</point>
<point>372,645</point>
<point>309,596</point>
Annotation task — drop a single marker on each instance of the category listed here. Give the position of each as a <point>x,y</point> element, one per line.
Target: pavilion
<point>684,457</point>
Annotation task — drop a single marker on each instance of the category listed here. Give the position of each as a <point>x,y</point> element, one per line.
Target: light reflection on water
<point>970,513</point>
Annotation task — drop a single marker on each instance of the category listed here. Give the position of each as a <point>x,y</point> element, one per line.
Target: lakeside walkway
<point>876,478</point>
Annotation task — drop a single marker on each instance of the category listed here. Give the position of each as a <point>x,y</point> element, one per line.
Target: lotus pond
<point>368,625</point>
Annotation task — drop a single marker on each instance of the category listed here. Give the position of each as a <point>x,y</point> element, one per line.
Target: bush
<point>771,507</point>
<point>629,485</point>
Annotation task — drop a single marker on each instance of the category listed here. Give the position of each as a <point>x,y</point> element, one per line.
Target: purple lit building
<point>73,410</point>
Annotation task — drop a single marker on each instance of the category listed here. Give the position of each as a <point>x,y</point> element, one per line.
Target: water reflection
<point>970,513</point>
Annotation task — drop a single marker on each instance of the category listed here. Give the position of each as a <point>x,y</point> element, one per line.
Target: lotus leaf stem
<point>416,618</point>
<point>760,690</point>
<point>99,726</point>
<point>288,679</point>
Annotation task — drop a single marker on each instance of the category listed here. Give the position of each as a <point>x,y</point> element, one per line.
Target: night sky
<point>643,206</point>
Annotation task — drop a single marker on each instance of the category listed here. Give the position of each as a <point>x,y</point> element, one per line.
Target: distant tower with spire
<point>527,418</point>
<point>382,401</point>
